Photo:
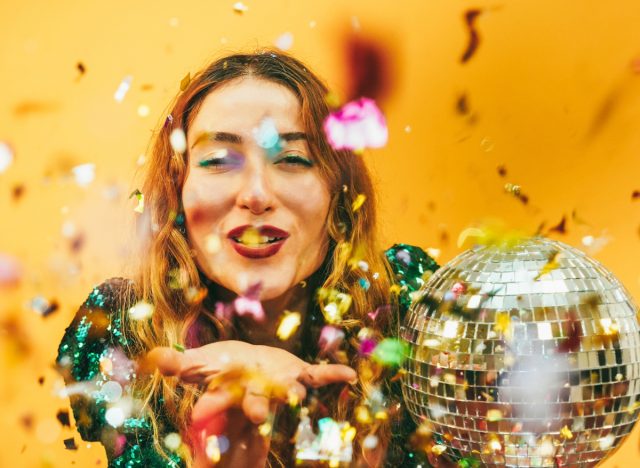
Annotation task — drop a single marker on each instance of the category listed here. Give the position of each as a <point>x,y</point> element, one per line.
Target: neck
<point>296,299</point>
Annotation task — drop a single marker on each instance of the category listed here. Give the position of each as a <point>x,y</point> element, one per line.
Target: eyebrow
<point>227,137</point>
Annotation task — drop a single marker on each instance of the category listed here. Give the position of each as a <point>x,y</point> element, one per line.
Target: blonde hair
<point>168,250</point>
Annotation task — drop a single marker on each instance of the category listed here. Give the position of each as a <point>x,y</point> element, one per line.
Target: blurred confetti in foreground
<point>6,156</point>
<point>357,125</point>
<point>123,88</point>
<point>332,443</point>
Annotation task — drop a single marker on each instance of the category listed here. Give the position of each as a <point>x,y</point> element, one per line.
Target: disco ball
<point>528,356</point>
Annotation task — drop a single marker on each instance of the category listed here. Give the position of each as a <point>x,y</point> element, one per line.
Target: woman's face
<point>255,204</point>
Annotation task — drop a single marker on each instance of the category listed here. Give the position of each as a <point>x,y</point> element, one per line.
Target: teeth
<point>256,241</point>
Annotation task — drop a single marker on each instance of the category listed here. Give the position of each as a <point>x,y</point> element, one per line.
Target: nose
<point>256,194</point>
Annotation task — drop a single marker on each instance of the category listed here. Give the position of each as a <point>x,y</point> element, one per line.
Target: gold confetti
<point>494,415</point>
<point>251,236</point>
<point>492,233</point>
<point>357,203</point>
<point>288,325</point>
<point>566,433</point>
<point>334,304</point>
<point>438,449</point>
<point>265,429</point>
<point>503,324</point>
<point>552,264</point>
<point>213,449</point>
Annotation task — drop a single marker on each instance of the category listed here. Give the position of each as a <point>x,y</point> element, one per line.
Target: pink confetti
<point>330,338</point>
<point>249,303</point>
<point>10,271</point>
<point>359,124</point>
<point>367,346</point>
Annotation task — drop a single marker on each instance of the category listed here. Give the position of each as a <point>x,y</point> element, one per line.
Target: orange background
<point>553,94</point>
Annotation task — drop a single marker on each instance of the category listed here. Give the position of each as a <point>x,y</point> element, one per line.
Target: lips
<point>257,242</point>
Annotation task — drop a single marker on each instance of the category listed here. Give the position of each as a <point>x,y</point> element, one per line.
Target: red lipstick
<point>276,239</point>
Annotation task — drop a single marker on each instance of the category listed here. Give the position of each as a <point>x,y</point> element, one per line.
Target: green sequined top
<point>93,359</point>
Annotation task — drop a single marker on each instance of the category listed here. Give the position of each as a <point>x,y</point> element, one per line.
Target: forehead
<point>240,106</point>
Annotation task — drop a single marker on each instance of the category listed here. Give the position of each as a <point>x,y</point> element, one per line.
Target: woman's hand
<point>252,378</point>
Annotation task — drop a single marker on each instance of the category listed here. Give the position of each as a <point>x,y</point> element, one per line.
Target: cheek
<point>200,210</point>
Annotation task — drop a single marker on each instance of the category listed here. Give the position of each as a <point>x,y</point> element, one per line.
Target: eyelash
<point>295,159</point>
<point>292,159</point>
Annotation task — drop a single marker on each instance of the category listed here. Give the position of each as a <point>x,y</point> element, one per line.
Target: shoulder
<point>110,294</point>
<point>411,266</point>
<point>98,321</point>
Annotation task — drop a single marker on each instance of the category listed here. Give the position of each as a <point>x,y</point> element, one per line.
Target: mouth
<point>257,242</point>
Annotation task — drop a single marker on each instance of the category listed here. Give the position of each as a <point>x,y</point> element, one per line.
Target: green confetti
<point>178,347</point>
<point>391,352</point>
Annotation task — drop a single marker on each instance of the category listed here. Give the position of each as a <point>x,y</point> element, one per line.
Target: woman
<point>251,219</point>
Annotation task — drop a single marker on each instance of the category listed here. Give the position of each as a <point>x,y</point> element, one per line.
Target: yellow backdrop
<point>551,96</point>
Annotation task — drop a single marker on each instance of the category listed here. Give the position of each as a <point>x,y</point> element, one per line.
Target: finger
<point>166,360</point>
<point>255,403</point>
<point>291,392</point>
<point>211,406</point>
<point>318,375</point>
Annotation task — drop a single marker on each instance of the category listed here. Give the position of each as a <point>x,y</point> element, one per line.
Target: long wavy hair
<point>168,250</point>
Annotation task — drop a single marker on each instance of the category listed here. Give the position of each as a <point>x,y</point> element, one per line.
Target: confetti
<point>334,304</point>
<point>114,416</point>
<point>123,88</point>
<point>178,347</point>
<point>178,140</point>
<point>370,442</point>
<point>561,227</point>
<point>141,311</point>
<point>70,444</point>
<point>357,125</point>
<point>6,156</point>
<point>332,443</point>
<point>515,190</point>
<point>143,110</point>
<point>140,197</point>
<point>43,307</point>
<point>357,203</point>
<point>249,303</point>
<point>566,433</point>
<point>494,415</point>
<point>552,264</point>
<point>470,17</point>
<point>503,324</point>
<point>493,233</point>
<point>63,418</point>
<point>288,325</point>
<point>390,352</point>
<point>84,174</point>
<point>10,271</point>
<point>438,449</point>
<point>369,72</point>
<point>81,68</point>
<point>284,41</point>
<point>266,136</point>
<point>607,441</point>
<point>330,339</point>
<point>212,449</point>
<point>240,8</point>
<point>172,441</point>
